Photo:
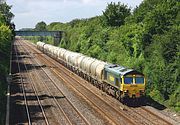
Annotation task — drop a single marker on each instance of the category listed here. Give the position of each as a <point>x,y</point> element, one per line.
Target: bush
<point>146,40</point>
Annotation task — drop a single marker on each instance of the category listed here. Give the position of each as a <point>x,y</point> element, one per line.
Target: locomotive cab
<point>133,85</point>
<point>128,82</point>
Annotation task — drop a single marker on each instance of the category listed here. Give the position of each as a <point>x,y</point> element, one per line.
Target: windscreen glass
<point>139,80</point>
<point>128,80</point>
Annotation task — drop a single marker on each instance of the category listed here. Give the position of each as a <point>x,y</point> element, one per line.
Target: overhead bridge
<point>56,34</point>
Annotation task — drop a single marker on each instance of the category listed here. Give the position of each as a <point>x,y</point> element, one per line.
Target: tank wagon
<point>121,82</point>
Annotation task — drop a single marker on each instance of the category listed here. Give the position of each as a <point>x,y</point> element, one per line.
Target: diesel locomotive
<point>121,82</point>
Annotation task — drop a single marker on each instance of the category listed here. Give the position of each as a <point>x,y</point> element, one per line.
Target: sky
<point>29,12</point>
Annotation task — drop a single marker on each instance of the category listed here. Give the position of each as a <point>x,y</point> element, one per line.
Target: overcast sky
<point>29,12</point>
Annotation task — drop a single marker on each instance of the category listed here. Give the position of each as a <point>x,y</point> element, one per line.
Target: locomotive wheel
<point>104,88</point>
<point>88,79</point>
<point>101,86</point>
<point>96,84</point>
<point>108,90</point>
<point>92,81</point>
<point>117,94</point>
<point>85,77</point>
<point>121,100</point>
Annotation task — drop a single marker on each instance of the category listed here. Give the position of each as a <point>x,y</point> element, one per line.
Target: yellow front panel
<point>133,89</point>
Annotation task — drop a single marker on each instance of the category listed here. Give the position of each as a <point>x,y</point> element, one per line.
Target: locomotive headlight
<point>141,91</point>
<point>126,91</point>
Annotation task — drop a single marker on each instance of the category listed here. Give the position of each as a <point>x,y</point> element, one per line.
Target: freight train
<point>121,82</point>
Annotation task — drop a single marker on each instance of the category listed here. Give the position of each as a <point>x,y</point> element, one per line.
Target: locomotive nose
<point>133,96</point>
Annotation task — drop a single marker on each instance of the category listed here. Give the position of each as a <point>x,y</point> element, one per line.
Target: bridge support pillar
<point>57,38</point>
<point>57,41</point>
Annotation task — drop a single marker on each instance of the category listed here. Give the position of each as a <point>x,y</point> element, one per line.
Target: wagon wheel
<point>104,87</point>
<point>89,78</point>
<point>107,89</point>
<point>101,86</point>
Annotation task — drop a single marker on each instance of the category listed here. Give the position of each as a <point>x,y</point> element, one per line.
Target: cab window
<point>128,80</point>
<point>139,80</point>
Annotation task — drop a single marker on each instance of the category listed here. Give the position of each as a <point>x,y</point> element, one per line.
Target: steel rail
<point>37,96</point>
<point>66,70</point>
<point>55,84</point>
<point>144,116</point>
<point>23,87</point>
<point>158,117</point>
<point>56,102</point>
<point>95,103</point>
<point>116,109</point>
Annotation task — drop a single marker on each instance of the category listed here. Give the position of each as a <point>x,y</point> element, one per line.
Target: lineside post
<point>9,79</point>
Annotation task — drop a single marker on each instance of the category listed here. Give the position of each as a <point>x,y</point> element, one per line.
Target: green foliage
<point>115,14</point>
<point>41,26</point>
<point>160,19</point>
<point>5,38</point>
<point>146,40</point>
<point>5,35</point>
<point>2,19</point>
<point>175,100</point>
<point>142,10</point>
<point>5,11</point>
<point>156,95</point>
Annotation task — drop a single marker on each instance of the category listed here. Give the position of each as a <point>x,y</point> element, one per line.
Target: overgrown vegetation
<point>147,39</point>
<point>6,29</point>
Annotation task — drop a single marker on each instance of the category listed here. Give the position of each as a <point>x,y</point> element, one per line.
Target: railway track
<point>49,84</point>
<point>45,104</point>
<point>47,88</point>
<point>61,86</point>
<point>68,115</point>
<point>114,116</point>
<point>22,84</point>
<point>24,81</point>
<point>158,120</point>
<point>111,121</point>
<point>148,116</point>
<point>114,111</point>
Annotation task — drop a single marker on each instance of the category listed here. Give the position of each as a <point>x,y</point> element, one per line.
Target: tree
<point>6,29</point>
<point>41,26</point>
<point>115,14</point>
<point>5,11</point>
